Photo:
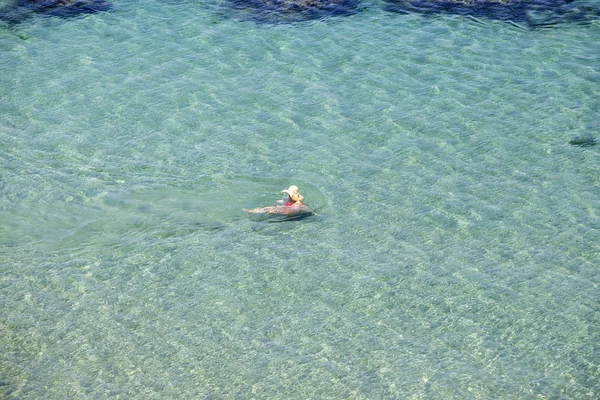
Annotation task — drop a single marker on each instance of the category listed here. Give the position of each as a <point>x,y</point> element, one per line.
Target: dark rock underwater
<point>529,13</point>
<point>20,10</point>
<point>532,13</point>
<point>282,11</point>
<point>585,140</point>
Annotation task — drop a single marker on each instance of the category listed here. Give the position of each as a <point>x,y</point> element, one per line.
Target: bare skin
<point>290,206</point>
<point>294,209</point>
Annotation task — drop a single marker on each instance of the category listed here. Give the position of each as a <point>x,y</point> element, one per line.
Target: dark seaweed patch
<point>585,140</point>
<point>533,13</point>
<point>20,10</point>
<point>286,11</point>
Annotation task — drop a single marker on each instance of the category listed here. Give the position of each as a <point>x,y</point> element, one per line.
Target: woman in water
<point>291,205</point>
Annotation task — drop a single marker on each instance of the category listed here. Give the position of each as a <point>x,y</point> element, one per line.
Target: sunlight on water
<point>456,250</point>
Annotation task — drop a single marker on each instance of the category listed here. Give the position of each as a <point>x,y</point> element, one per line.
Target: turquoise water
<point>455,256</point>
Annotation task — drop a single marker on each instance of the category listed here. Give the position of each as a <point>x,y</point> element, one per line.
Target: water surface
<point>455,255</point>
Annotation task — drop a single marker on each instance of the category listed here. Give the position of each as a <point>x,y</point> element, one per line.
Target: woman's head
<point>293,193</point>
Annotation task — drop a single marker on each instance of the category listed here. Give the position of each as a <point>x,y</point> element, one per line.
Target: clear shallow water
<point>455,256</point>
